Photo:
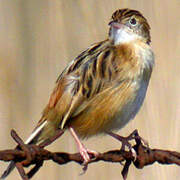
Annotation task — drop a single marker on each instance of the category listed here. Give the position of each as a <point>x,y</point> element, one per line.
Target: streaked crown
<point>134,20</point>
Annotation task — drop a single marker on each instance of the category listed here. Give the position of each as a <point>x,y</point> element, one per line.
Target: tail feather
<point>34,136</point>
<point>31,140</point>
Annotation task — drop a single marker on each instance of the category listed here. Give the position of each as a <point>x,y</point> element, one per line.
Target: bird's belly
<point>129,110</point>
<point>110,112</point>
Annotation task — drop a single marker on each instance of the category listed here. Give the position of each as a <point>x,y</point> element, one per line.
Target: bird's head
<point>127,25</point>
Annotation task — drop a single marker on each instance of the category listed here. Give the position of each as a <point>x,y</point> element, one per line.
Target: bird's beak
<point>116,25</point>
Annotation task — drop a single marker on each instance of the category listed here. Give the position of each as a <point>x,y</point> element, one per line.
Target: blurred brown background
<point>38,38</point>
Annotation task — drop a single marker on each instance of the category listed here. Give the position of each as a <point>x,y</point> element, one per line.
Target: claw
<point>85,155</point>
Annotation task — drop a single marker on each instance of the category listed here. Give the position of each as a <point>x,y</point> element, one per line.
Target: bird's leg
<point>82,149</point>
<point>125,140</point>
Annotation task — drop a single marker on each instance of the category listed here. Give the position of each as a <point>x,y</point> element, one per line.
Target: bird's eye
<point>133,21</point>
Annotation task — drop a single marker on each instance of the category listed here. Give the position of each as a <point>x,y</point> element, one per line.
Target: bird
<point>101,89</point>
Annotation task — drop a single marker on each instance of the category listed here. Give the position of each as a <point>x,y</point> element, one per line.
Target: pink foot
<point>86,157</point>
<point>83,150</point>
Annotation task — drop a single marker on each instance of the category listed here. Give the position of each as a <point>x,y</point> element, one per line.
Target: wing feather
<point>81,80</point>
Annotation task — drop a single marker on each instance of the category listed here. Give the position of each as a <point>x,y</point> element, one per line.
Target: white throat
<point>122,35</point>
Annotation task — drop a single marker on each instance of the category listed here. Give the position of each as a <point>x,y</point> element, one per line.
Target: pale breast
<point>139,88</point>
<point>115,106</point>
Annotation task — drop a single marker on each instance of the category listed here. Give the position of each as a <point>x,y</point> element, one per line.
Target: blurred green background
<point>39,37</point>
